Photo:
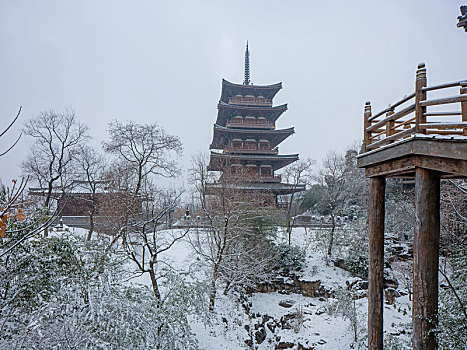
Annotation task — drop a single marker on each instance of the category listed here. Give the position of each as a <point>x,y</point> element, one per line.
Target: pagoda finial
<point>247,66</point>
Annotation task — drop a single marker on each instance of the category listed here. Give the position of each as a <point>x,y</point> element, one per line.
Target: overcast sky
<point>163,61</point>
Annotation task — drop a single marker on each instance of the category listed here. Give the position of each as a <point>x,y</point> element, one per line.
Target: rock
<point>322,342</point>
<point>390,295</point>
<point>249,343</point>
<point>284,321</point>
<point>389,280</point>
<point>320,311</point>
<point>362,285</point>
<point>266,318</point>
<point>340,264</point>
<point>308,288</point>
<point>247,328</point>
<point>271,326</point>
<point>284,345</point>
<point>390,283</point>
<point>288,303</point>
<point>260,335</point>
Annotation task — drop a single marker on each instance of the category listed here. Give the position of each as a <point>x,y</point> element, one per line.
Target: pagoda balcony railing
<point>250,149</point>
<point>251,123</point>
<point>248,177</point>
<point>269,178</point>
<point>250,101</point>
<point>411,115</point>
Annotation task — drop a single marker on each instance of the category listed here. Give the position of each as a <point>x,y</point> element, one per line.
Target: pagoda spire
<point>247,66</point>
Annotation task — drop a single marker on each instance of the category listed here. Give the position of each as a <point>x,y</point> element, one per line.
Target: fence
<point>413,115</point>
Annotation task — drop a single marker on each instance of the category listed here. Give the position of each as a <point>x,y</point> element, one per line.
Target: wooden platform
<point>448,156</point>
<point>425,140</point>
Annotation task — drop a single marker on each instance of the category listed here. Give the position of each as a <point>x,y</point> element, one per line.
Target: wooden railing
<point>410,115</point>
<point>244,176</point>
<point>251,123</point>
<point>252,149</point>
<point>252,101</point>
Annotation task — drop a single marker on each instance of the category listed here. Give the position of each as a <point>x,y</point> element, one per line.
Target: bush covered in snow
<point>55,295</point>
<point>289,257</point>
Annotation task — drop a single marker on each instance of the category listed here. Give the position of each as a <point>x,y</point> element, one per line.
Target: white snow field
<point>233,328</point>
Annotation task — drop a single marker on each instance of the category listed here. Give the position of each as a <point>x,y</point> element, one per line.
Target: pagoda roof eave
<point>275,137</point>
<point>277,161</point>
<point>270,113</point>
<point>276,188</point>
<point>223,104</point>
<point>230,89</point>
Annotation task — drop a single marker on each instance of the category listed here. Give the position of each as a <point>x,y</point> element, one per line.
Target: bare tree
<point>142,152</point>
<point>92,169</point>
<point>297,174</point>
<point>6,130</point>
<point>231,239</point>
<point>57,138</point>
<point>339,180</point>
<point>147,241</point>
<point>145,149</point>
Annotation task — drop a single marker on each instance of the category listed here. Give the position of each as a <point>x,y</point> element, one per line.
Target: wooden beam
<point>392,138</point>
<point>426,255</point>
<point>395,116</point>
<point>443,148</point>
<point>445,100</point>
<point>437,125</point>
<point>376,263</point>
<point>445,166</point>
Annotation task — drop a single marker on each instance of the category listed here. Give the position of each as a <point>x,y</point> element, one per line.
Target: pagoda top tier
<point>230,91</point>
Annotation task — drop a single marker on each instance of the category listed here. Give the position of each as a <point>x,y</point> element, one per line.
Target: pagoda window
<point>262,120</point>
<point>237,144</point>
<point>249,98</point>
<point>250,119</point>
<point>235,169</point>
<point>251,170</point>
<point>264,145</point>
<point>238,119</point>
<point>266,170</point>
<point>250,144</point>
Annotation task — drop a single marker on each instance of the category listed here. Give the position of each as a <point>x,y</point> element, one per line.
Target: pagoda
<point>246,139</point>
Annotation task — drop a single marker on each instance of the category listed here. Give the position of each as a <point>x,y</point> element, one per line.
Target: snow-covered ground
<point>236,326</point>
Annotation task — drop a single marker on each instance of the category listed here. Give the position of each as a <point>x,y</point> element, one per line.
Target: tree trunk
<point>331,238</point>
<point>212,295</point>
<point>155,286</point>
<point>289,230</point>
<point>91,223</point>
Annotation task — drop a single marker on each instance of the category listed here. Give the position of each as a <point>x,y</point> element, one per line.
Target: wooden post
<point>366,124</point>
<point>376,263</point>
<point>426,254</point>
<point>464,105</point>
<point>420,95</point>
<point>390,124</point>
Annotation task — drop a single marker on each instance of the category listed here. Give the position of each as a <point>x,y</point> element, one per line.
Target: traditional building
<point>246,139</point>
